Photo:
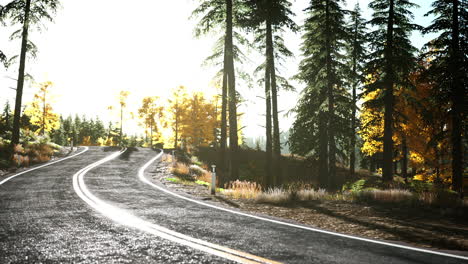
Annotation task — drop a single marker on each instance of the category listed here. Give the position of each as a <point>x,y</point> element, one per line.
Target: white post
<point>173,158</point>
<point>213,180</point>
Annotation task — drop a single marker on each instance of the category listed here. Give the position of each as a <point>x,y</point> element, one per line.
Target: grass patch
<point>202,183</point>
<point>176,180</point>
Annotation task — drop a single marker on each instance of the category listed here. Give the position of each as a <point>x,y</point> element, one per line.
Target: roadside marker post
<point>213,180</point>
<point>173,158</point>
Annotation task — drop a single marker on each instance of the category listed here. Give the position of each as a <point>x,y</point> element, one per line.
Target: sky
<point>96,48</point>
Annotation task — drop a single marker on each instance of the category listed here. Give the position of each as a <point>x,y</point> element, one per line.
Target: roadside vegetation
<point>364,188</point>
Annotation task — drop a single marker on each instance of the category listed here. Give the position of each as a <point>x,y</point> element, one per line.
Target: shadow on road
<point>111,148</point>
<point>126,155</point>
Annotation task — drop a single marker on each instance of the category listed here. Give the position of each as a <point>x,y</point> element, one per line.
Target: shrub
<point>354,187</point>
<point>195,170</point>
<point>182,170</point>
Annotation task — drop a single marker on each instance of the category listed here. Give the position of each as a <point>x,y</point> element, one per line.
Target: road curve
<point>43,219</point>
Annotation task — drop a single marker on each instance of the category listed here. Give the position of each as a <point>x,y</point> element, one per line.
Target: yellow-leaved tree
<point>178,104</point>
<point>41,112</point>
<point>151,113</point>
<point>122,98</point>
<point>199,121</point>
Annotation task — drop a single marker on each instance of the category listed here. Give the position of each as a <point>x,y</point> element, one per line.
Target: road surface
<point>99,206</point>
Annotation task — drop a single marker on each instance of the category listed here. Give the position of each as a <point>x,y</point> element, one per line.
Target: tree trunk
<point>121,125</point>
<point>223,143</point>
<point>352,150</point>
<point>404,160</point>
<point>276,155</point>
<point>331,106</point>
<point>372,164</point>
<point>43,113</point>
<point>458,96</point>
<point>177,113</point>
<point>388,100</point>
<point>267,182</point>
<point>233,141</point>
<point>20,83</point>
<point>151,133</point>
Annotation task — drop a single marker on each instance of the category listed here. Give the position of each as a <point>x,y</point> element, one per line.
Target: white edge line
<point>145,180</point>
<point>44,165</point>
<point>123,217</point>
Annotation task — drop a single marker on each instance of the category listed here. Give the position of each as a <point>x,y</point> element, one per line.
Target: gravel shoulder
<point>421,228</point>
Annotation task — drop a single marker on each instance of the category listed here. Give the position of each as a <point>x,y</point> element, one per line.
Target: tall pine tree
<point>392,60</point>
<point>27,13</point>
<point>268,19</point>
<point>448,56</point>
<point>323,108</point>
<point>356,52</point>
<point>223,13</point>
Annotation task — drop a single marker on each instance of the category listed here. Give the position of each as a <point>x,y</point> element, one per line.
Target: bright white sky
<point>97,48</point>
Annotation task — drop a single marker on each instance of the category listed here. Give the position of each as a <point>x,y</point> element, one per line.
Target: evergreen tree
<point>447,71</point>
<point>356,52</point>
<point>391,62</point>
<point>268,19</point>
<point>27,13</point>
<point>6,121</point>
<point>323,109</point>
<point>58,135</point>
<point>223,13</point>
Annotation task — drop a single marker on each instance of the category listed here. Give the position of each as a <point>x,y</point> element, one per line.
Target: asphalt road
<point>111,215</point>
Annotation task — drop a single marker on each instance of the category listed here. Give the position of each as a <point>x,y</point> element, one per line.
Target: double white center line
<point>125,218</point>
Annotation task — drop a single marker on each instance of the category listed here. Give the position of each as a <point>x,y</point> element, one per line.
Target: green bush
<point>354,187</point>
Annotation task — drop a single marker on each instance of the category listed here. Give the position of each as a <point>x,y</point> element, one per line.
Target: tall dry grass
<point>243,189</point>
<point>181,169</point>
<point>274,196</point>
<point>386,196</point>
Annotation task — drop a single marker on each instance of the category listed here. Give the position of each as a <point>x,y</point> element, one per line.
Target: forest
<point>370,103</point>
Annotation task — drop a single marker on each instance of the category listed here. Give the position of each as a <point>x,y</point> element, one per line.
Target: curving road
<point>100,207</point>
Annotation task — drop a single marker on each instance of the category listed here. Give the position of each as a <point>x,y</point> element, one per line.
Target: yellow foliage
<point>426,153</point>
<point>87,141</point>
<point>100,141</point>
<point>41,112</point>
<point>194,118</point>
<point>151,113</point>
<point>372,126</point>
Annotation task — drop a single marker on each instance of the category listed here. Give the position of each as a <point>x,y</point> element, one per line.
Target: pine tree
<point>323,108</point>
<point>268,19</point>
<point>6,121</point>
<point>223,13</point>
<point>392,60</point>
<point>356,52</point>
<point>448,56</point>
<point>27,13</point>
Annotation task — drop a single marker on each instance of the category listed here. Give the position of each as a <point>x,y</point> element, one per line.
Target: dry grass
<point>181,169</point>
<point>205,176</point>
<point>274,196</point>
<point>387,196</point>
<point>311,194</point>
<point>243,189</point>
